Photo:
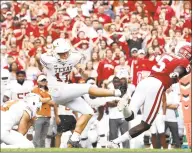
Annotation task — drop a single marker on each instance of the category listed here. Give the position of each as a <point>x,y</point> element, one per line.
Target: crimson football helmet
<point>186,52</point>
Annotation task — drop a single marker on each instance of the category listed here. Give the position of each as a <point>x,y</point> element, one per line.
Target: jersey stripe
<point>43,63</point>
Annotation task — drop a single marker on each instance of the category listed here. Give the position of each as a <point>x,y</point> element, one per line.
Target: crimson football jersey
<point>166,65</point>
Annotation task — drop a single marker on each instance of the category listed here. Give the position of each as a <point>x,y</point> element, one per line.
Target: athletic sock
<point>75,136</point>
<point>126,136</point>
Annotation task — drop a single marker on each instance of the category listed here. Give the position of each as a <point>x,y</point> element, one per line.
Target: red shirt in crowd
<point>140,69</point>
<point>51,8</point>
<point>20,67</point>
<point>161,41</point>
<point>17,33</point>
<point>37,32</point>
<point>30,29</point>
<point>105,69</point>
<point>104,19</point>
<point>33,51</point>
<point>169,12</point>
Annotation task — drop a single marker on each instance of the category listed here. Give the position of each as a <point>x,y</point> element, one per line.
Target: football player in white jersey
<point>19,88</point>
<point>21,114</point>
<point>57,65</point>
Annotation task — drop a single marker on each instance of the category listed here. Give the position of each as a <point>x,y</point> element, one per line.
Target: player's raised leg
<point>63,93</point>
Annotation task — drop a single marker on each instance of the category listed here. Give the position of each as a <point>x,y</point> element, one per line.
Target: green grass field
<point>92,150</point>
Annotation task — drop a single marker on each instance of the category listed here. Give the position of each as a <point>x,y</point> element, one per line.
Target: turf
<point>92,150</point>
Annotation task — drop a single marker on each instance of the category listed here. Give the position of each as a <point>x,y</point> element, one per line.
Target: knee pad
<point>130,117</point>
<point>146,140</point>
<point>140,128</point>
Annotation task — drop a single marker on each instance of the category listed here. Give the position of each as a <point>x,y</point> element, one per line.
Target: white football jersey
<point>16,91</point>
<point>12,117</point>
<point>58,70</point>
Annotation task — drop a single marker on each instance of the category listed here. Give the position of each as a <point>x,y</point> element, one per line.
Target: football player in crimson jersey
<point>57,66</point>
<point>168,70</point>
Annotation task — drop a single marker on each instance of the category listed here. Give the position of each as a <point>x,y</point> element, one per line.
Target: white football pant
<point>69,95</point>
<point>15,139</point>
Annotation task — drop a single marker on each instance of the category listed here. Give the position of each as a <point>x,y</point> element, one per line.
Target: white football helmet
<point>33,103</point>
<point>61,45</point>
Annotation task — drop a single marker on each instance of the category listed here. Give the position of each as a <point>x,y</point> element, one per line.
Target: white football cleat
<point>122,104</point>
<point>111,144</point>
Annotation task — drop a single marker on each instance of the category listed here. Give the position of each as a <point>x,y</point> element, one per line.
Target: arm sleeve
<point>181,70</point>
<point>43,60</point>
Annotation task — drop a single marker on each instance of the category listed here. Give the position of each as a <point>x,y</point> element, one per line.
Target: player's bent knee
<point>140,128</point>
<point>130,117</point>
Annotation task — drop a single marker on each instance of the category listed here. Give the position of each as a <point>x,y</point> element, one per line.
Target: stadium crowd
<point>116,38</point>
